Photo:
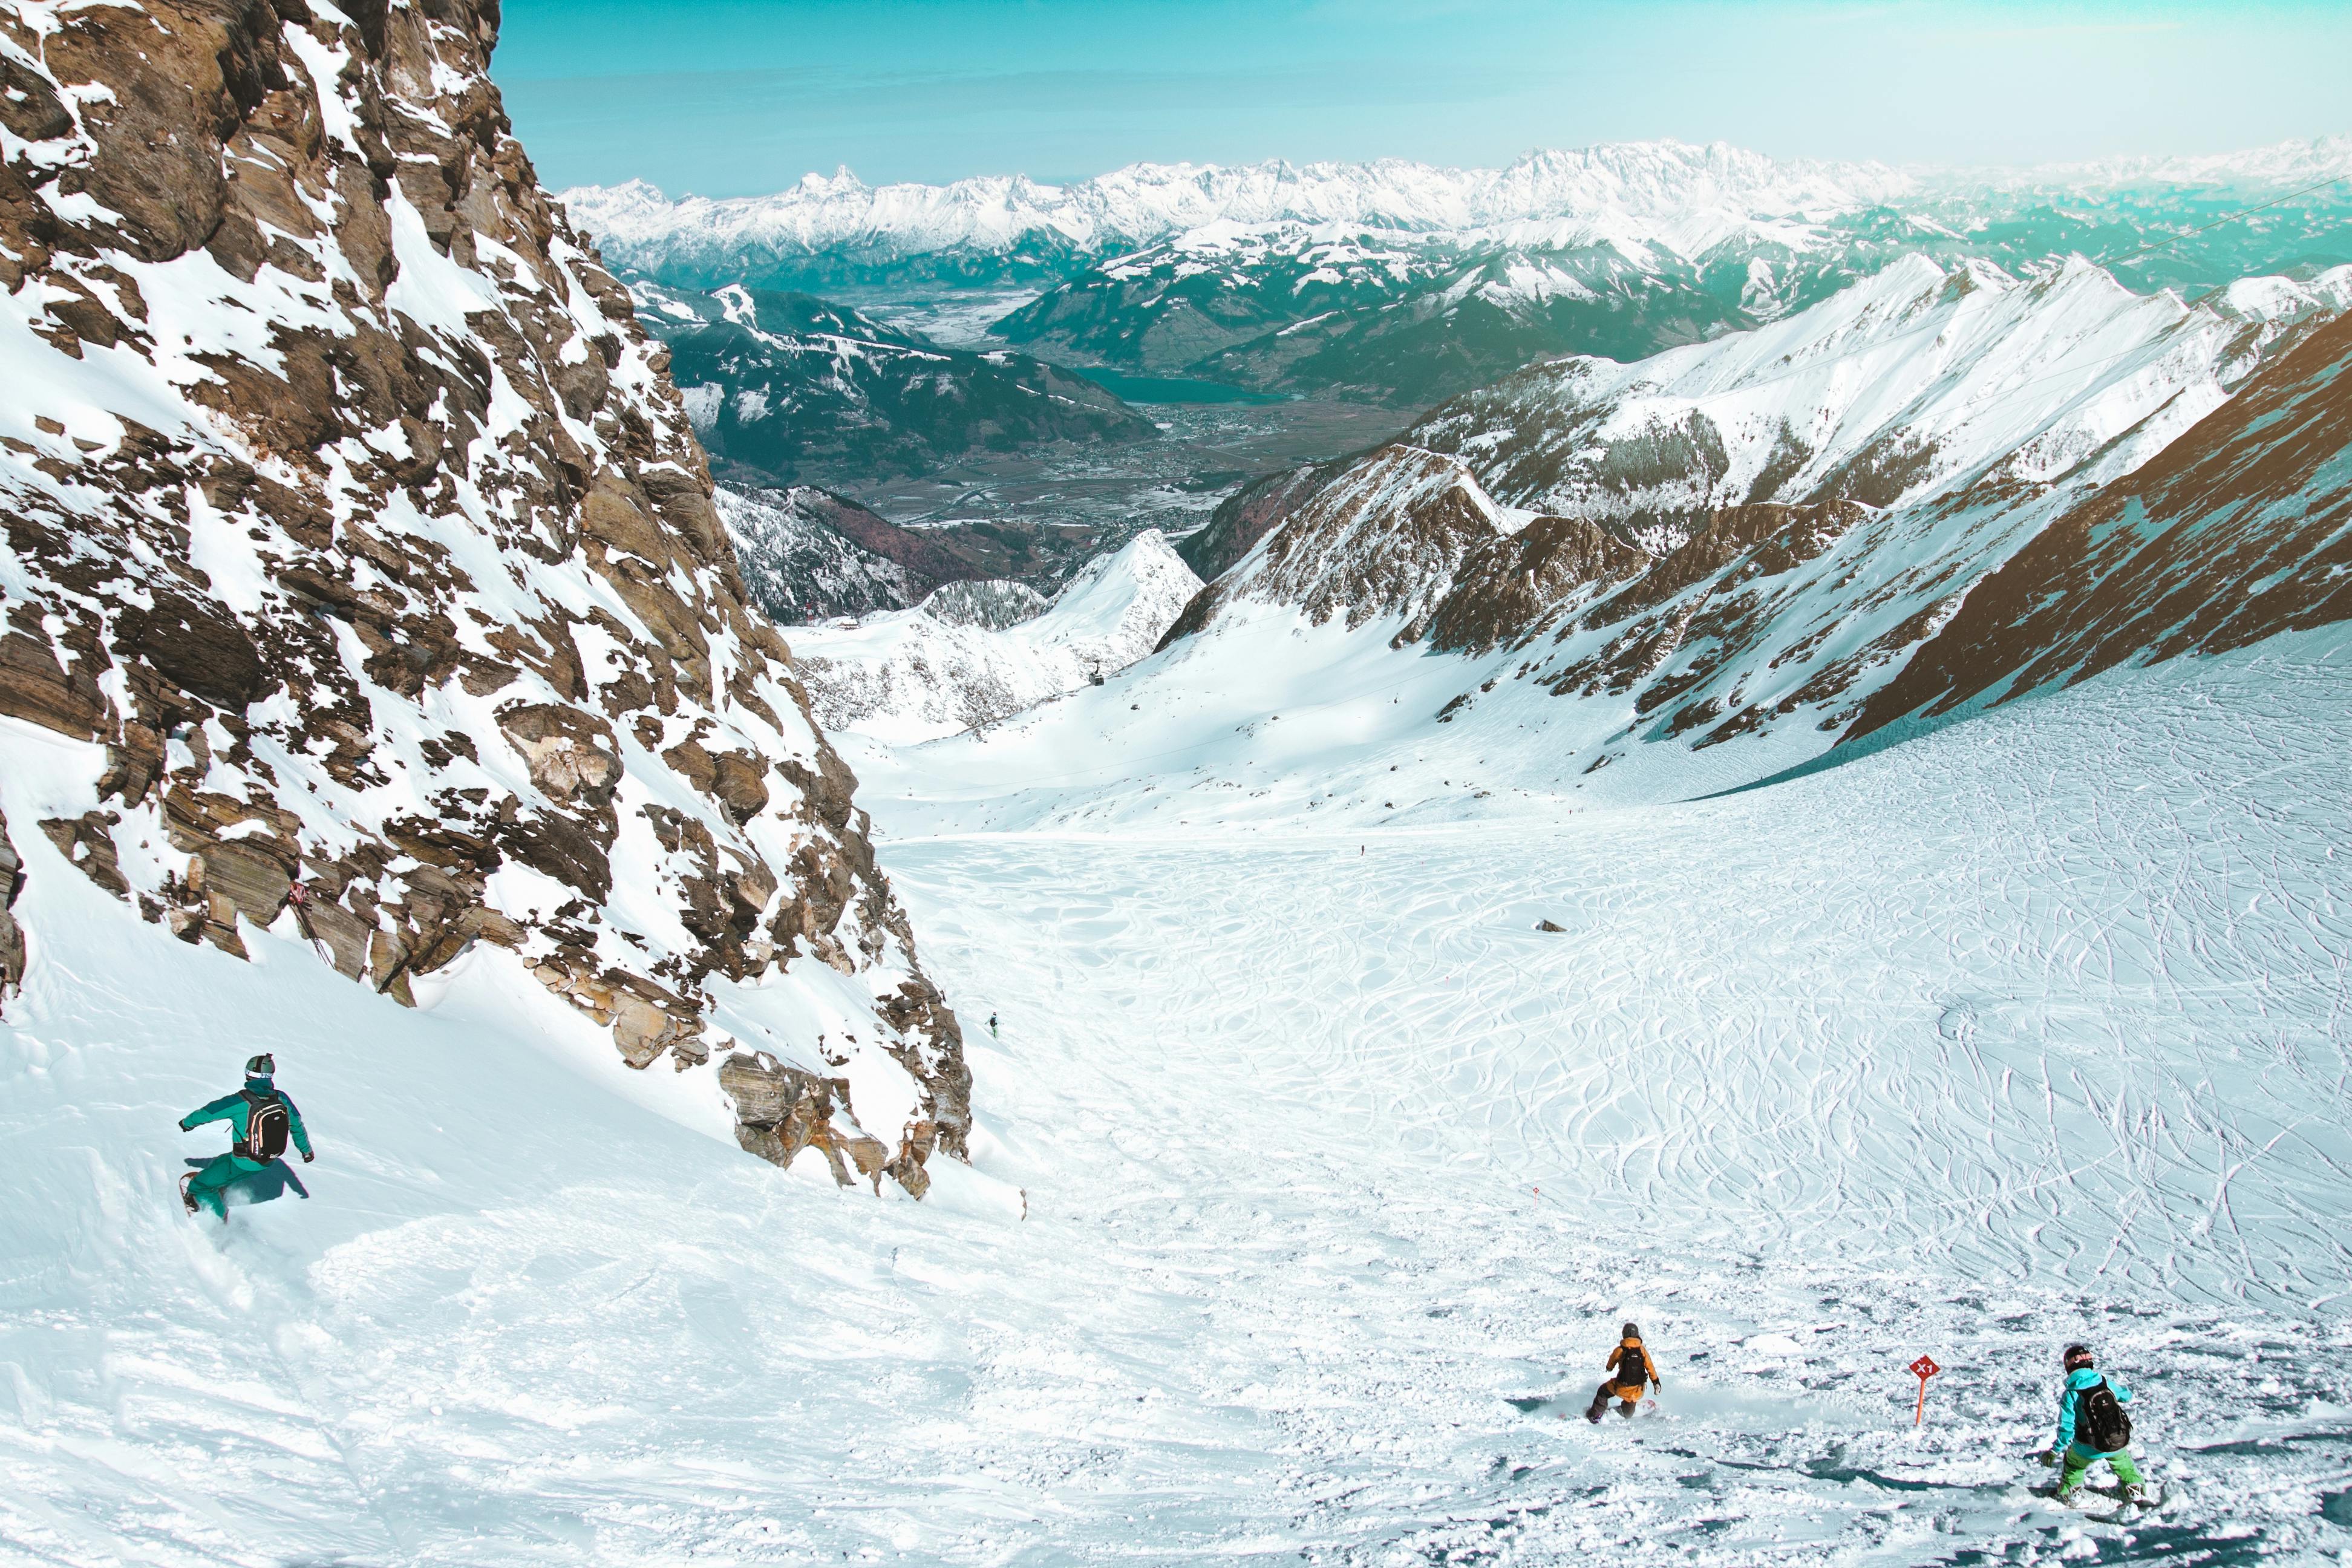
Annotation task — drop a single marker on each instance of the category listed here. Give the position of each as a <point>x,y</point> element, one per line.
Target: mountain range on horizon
<point>1143,202</point>
<point>1400,284</point>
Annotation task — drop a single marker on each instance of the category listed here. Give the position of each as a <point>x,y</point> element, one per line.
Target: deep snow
<point>2031,1029</point>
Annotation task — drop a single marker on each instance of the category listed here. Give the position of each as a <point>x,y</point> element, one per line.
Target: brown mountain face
<point>1380,537</point>
<point>1248,514</point>
<point>2240,529</point>
<point>355,532</point>
<point>1960,519</point>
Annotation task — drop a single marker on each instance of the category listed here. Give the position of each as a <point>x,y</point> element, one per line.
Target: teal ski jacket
<point>2076,1382</point>
<point>237,1109</point>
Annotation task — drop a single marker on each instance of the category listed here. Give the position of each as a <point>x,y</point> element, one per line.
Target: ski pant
<point>210,1181</point>
<point>2079,1461</point>
<point>1628,1397</point>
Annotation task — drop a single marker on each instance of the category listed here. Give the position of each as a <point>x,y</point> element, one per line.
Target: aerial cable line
<point>2225,218</point>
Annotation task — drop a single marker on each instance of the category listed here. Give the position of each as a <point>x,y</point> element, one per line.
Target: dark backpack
<point>267,1127</point>
<point>2100,1423</point>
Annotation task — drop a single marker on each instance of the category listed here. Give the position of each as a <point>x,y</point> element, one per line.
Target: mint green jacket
<point>237,1109</point>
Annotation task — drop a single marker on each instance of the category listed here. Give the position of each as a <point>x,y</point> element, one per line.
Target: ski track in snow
<point>2032,1029</point>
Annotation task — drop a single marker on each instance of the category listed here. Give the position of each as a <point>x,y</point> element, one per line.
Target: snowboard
<point>2105,1503</point>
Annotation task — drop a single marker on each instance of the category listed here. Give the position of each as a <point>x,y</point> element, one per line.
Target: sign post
<point>1923,1369</point>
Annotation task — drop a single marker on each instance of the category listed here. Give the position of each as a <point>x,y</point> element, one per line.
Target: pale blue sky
<point>731,97</point>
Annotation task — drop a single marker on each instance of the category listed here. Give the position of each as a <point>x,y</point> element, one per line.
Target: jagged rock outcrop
<point>356,524</point>
<point>1383,537</point>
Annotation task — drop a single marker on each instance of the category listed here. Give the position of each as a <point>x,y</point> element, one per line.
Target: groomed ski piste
<point>1338,1175</point>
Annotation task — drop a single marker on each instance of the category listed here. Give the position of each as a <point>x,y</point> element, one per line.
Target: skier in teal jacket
<point>264,1118</point>
<point>2092,1427</point>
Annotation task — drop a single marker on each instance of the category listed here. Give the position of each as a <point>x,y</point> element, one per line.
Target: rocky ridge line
<point>1759,534</point>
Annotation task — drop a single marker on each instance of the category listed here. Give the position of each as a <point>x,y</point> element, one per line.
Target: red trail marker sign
<point>1923,1369</point>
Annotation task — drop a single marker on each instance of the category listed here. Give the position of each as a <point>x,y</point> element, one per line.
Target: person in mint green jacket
<point>264,1118</point>
<point>2091,1426</point>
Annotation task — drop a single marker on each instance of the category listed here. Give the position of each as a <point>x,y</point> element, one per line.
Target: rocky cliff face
<point>362,560</point>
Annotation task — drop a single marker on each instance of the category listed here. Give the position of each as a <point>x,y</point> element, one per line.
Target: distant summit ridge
<point>1146,202</point>
<point>1643,181</point>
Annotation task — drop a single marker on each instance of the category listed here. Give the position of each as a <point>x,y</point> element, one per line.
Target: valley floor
<point>1071,502</point>
<point>1338,1176</point>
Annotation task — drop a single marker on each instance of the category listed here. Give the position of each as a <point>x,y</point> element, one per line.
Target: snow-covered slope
<point>2240,531</point>
<point>1912,383</point>
<point>1337,1177</point>
<point>995,603</point>
<point>364,585</point>
<point>938,668</point>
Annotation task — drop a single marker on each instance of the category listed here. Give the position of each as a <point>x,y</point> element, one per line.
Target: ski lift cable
<point>2104,262</point>
<point>2225,218</point>
<point>2005,395</point>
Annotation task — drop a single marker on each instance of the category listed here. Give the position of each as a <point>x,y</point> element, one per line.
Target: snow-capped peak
<point>1648,183</point>
<point>1908,384</point>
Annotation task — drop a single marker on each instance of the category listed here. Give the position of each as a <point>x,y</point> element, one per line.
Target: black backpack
<point>2100,1423</point>
<point>266,1128</point>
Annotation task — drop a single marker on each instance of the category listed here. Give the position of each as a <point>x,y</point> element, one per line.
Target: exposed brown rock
<point>1511,585</point>
<point>33,686</point>
<point>571,754</point>
<point>336,458</point>
<point>2234,532</point>
<point>781,1111</point>
<point>11,882</point>
<point>89,842</point>
<point>1385,537</point>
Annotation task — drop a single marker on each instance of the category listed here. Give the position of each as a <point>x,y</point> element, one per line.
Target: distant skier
<point>2091,1426</point>
<point>1630,1370</point>
<point>992,1025</point>
<point>264,1119</point>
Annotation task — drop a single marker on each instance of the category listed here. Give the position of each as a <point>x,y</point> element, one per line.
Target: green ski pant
<point>2079,1461</point>
<point>207,1187</point>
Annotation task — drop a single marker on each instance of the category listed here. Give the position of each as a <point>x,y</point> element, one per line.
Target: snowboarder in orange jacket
<point>1630,1371</point>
